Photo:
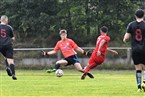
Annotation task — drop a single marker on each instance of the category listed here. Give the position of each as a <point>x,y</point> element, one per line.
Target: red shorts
<point>95,60</point>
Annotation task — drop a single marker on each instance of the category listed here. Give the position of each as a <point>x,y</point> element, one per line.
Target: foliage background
<point>37,22</point>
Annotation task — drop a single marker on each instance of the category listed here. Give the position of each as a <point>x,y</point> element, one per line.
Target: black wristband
<point>84,52</point>
<point>46,53</point>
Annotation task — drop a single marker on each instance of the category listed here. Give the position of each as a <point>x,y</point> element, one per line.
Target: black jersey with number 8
<point>137,31</point>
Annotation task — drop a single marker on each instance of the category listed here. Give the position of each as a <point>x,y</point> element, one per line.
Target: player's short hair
<point>104,29</point>
<point>3,17</point>
<point>139,13</point>
<point>62,31</point>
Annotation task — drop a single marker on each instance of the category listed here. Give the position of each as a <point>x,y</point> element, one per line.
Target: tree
<point>37,22</point>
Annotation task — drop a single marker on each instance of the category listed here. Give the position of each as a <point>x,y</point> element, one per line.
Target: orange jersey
<point>67,47</point>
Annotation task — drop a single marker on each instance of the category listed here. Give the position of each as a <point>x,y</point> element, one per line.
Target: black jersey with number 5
<point>137,31</point>
<point>6,33</point>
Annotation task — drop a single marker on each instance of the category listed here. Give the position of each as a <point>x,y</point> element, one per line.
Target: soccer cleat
<point>90,75</point>
<point>84,76</point>
<point>14,77</point>
<point>143,86</point>
<point>139,90</point>
<point>51,70</point>
<point>9,71</point>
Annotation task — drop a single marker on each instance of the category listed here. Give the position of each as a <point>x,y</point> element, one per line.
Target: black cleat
<point>84,76</point>
<point>90,75</point>
<point>14,78</point>
<point>9,72</point>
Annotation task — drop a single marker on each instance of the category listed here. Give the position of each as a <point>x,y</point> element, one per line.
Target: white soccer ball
<point>59,73</point>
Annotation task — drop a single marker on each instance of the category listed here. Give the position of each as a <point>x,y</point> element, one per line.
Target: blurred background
<point>37,23</point>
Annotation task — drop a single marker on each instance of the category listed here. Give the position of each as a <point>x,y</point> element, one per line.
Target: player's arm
<point>79,50</point>
<point>112,51</point>
<point>100,46</point>
<point>126,37</point>
<point>54,51</point>
<point>75,46</point>
<point>51,52</point>
<point>48,53</point>
<point>12,33</point>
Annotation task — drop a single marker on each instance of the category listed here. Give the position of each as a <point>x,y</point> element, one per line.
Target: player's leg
<point>86,72</point>
<point>93,62</point>
<point>79,68</point>
<point>137,59</point>
<point>75,61</point>
<point>9,72</point>
<point>138,76</point>
<point>10,60</point>
<point>7,51</point>
<point>12,67</point>
<point>87,69</point>
<point>57,65</point>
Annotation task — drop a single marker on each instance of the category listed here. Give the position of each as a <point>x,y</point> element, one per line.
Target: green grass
<point>40,84</point>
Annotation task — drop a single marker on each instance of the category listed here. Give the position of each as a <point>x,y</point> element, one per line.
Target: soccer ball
<point>59,73</point>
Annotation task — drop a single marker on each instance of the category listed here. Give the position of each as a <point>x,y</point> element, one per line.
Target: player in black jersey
<point>6,45</point>
<point>136,31</point>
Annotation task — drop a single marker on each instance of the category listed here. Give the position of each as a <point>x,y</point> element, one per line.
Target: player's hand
<point>98,53</point>
<point>43,53</point>
<point>114,52</point>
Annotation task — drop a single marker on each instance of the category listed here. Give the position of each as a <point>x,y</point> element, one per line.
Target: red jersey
<point>67,47</point>
<point>104,47</point>
<point>94,59</point>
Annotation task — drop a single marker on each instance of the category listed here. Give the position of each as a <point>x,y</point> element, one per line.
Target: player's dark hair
<point>139,13</point>
<point>104,29</point>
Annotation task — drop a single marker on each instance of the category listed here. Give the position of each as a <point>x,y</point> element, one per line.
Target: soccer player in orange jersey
<point>68,48</point>
<point>99,53</point>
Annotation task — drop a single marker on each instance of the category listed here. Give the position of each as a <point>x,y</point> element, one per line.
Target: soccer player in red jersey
<point>99,53</point>
<point>68,48</point>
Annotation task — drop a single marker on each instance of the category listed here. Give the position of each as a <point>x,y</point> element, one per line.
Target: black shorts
<point>138,57</point>
<point>7,51</point>
<point>72,60</point>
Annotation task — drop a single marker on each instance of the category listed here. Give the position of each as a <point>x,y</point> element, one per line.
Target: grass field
<point>40,84</point>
